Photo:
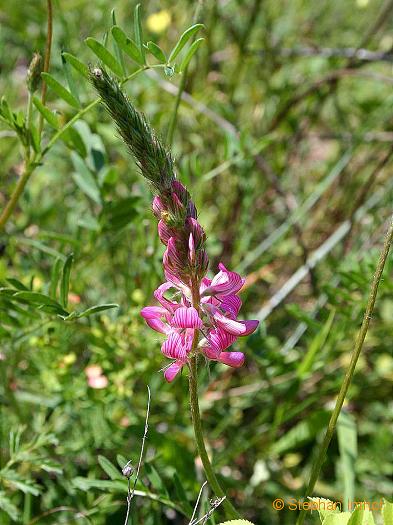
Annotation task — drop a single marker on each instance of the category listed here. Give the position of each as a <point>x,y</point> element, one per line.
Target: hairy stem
<point>197,423</point>
<point>316,468</point>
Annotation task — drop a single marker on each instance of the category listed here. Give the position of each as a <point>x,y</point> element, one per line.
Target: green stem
<point>11,204</point>
<point>48,49</point>
<point>316,468</point>
<point>230,510</point>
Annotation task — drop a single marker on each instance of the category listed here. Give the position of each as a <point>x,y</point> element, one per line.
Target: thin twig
<point>131,493</point>
<point>317,466</point>
<point>197,503</point>
<point>206,516</point>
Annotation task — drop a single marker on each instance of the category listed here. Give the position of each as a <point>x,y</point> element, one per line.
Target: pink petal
<point>186,318</point>
<point>172,371</point>
<point>158,207</point>
<point>235,327</point>
<point>164,232</point>
<point>235,359</point>
<point>220,339</point>
<point>173,347</point>
<point>231,304</point>
<point>166,303</point>
<point>225,283</point>
<point>153,316</point>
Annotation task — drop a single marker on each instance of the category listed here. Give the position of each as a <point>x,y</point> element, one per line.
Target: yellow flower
<point>158,22</point>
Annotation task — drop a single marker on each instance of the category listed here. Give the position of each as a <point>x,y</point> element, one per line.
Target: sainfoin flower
<point>185,265</point>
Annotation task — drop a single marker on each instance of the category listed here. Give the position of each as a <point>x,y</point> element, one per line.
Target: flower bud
<point>33,77</point>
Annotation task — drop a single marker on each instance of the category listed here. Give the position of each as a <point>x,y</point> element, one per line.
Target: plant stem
<point>28,169</point>
<point>196,419</point>
<point>316,468</point>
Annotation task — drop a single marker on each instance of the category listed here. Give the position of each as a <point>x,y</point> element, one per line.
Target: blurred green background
<point>284,140</point>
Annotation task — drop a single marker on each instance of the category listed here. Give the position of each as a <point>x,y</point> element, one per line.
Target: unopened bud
<point>33,77</point>
<point>127,470</point>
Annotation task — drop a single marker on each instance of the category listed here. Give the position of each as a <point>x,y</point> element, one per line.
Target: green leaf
<point>190,53</point>
<point>347,444</point>
<point>8,507</point>
<point>79,67</point>
<point>112,485</point>
<point>104,55</point>
<point>98,308</point>
<point>118,53</point>
<point>60,90</point>
<point>185,37</point>
<point>84,179</point>
<point>17,284</point>
<point>316,345</point>
<point>40,300</point>
<point>48,115</point>
<point>70,79</point>
<point>127,45</point>
<point>337,519</point>
<point>156,51</point>
<point>387,512</point>
<point>65,280</point>
<point>325,507</point>
<point>138,31</point>
<point>181,494</point>
<point>121,460</point>
<point>109,468</point>
<point>155,479</point>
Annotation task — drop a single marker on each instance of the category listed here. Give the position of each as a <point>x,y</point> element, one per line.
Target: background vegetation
<point>284,138</point>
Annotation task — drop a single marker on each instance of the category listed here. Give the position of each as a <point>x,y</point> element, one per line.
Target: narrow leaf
<point>79,66</point>
<point>116,47</point>
<point>95,309</point>
<point>109,468</point>
<point>127,45</point>
<point>190,53</point>
<point>60,90</point>
<point>104,55</point>
<point>185,37</point>
<point>138,31</point>
<point>70,79</point>
<point>65,280</point>
<point>157,52</point>
<point>48,115</point>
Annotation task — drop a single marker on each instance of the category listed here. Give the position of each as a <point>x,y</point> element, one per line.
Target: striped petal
<point>231,304</point>
<point>173,347</point>
<point>186,318</point>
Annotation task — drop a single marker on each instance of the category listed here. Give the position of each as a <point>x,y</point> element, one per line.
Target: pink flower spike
<point>235,327</point>
<point>225,283</point>
<point>173,347</point>
<point>164,232</point>
<point>158,206</point>
<point>172,371</point>
<point>186,318</point>
<point>234,359</point>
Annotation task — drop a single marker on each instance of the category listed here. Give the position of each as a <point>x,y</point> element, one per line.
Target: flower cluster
<point>201,310</point>
<point>202,315</point>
